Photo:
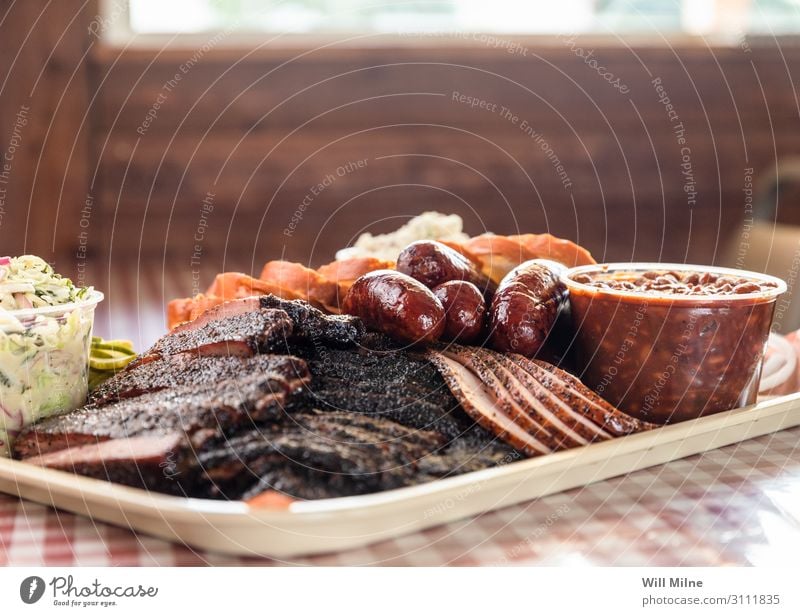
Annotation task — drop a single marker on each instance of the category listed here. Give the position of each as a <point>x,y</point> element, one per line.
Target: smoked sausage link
<point>465,311</point>
<point>526,306</point>
<point>397,305</point>
<point>433,263</point>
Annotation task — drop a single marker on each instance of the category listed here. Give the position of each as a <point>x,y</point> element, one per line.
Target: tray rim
<point>146,502</point>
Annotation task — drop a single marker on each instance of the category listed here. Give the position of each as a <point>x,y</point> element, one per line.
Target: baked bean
<point>675,283</point>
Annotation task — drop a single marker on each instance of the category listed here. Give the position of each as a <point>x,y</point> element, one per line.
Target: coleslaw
<point>45,336</point>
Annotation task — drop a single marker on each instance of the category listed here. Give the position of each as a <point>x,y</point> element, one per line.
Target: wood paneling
<point>44,132</point>
<point>260,129</point>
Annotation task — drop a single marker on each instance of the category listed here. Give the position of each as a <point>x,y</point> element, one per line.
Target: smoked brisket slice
<point>201,414</point>
<point>154,462</point>
<point>535,407</point>
<point>395,385</point>
<point>197,370</point>
<point>325,454</point>
<point>219,312</point>
<point>252,325</point>
<point>308,455</point>
<point>312,326</point>
<point>243,334</point>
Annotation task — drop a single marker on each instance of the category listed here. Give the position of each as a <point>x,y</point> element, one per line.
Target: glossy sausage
<point>433,263</point>
<point>397,305</point>
<point>465,311</point>
<point>525,307</point>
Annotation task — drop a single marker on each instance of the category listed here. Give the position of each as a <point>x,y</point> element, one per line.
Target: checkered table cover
<point>739,505</point>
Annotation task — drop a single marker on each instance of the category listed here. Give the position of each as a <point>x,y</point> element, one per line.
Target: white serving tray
<point>340,523</point>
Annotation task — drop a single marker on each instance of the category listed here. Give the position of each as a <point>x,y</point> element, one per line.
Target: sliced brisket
<point>314,327</point>
<point>395,385</point>
<point>208,413</point>
<point>251,325</point>
<point>202,413</point>
<point>324,454</point>
<point>535,407</point>
<point>156,462</point>
<point>197,370</point>
<point>242,334</point>
<point>221,311</point>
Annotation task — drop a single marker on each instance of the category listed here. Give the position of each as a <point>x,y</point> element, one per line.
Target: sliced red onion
<point>22,300</point>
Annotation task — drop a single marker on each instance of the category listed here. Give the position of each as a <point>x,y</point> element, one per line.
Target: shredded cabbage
<point>29,282</point>
<point>43,357</point>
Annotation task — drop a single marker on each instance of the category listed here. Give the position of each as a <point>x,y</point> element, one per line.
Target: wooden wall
<point>208,151</point>
<point>44,129</point>
<point>259,132</point>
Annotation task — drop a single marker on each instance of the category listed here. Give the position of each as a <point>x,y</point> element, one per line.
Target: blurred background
<point>147,145</point>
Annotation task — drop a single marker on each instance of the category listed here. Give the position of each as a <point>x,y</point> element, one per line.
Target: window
<point>508,16</point>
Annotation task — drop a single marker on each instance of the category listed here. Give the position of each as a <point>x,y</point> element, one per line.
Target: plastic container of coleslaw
<point>44,345</point>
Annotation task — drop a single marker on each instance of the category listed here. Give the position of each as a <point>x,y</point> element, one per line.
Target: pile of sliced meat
<point>267,394</point>
<point>264,394</point>
<point>532,405</point>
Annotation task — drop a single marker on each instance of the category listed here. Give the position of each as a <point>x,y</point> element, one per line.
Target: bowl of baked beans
<point>670,342</point>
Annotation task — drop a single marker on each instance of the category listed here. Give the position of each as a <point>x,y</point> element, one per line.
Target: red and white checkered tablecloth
<point>738,505</point>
